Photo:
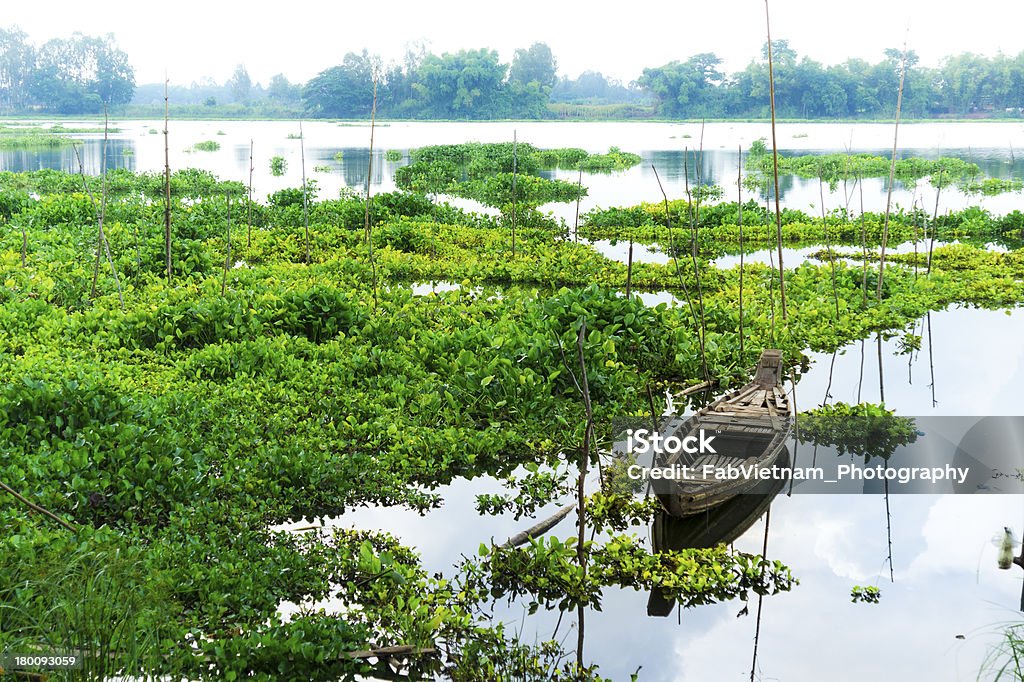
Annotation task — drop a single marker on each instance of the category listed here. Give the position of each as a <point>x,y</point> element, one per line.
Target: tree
<point>240,85</point>
<point>17,62</point>
<point>81,74</point>
<point>469,84</point>
<point>686,89</point>
<point>282,91</point>
<point>535,65</point>
<point>343,91</point>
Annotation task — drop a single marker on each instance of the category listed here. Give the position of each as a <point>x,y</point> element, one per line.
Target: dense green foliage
<point>720,227</point>
<point>864,430</point>
<point>177,432</point>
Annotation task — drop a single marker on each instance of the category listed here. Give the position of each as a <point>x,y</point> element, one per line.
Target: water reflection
<point>660,145</point>
<point>944,567</point>
<point>120,154</point>
<point>975,365</point>
<point>723,523</point>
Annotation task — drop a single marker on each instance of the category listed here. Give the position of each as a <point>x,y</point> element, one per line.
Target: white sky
<point>209,38</point>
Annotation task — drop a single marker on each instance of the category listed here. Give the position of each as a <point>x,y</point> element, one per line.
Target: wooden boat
<point>751,426</point>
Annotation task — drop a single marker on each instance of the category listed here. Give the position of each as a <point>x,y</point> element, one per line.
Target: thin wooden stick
<point>305,197</point>
<point>760,597</point>
<point>693,239</point>
<point>576,222</point>
<point>103,208</point>
<point>629,266</point>
<point>935,217</point>
<point>775,163</point>
<point>581,552</point>
<point>892,174</point>
<point>881,370</point>
<point>888,526</point>
<point>538,529</point>
<point>863,248</point>
<point>739,204</point>
<point>102,237</point>
<point>248,228</point>
<point>828,242</point>
<point>366,212</point>
<point>931,361</point>
<point>227,257</point>
<point>515,148</point>
<point>167,183</point>
<point>36,508</point>
<point>679,274</point>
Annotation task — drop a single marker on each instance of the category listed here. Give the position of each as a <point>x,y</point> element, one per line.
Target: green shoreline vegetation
<point>279,377</point>
<point>474,84</point>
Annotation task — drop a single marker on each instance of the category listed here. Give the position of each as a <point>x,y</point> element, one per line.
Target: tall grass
<point>1005,661</point>
<point>96,603</point>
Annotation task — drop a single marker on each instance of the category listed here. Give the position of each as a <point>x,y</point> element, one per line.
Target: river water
<point>940,614</point>
<point>680,152</point>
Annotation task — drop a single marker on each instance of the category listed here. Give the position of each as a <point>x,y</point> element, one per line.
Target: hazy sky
<point>300,39</point>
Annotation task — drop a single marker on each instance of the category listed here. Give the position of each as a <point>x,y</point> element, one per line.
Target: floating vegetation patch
<point>278,166</point>
<point>719,224</point>
<point>31,137</point>
<point>206,146</point>
<point>834,168</point>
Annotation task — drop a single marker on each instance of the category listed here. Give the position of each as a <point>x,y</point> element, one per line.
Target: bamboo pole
<point>931,360</point>
<point>167,185</point>
<point>248,228</point>
<point>366,212</point>
<point>305,194</point>
<point>935,217</point>
<point>679,274</point>
<point>515,149</point>
<point>102,237</point>
<point>581,551</point>
<point>739,204</point>
<point>863,249</point>
<point>775,163</point>
<point>693,239</point>
<point>103,207</point>
<point>892,174</point>
<point>828,242</point>
<point>629,266</point>
<point>576,222</point>
<point>227,256</point>
<point>760,597</point>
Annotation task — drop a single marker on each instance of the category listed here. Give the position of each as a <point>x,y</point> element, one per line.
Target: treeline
<point>72,75</point>
<point>81,74</point>
<point>962,85</point>
<point>476,84</point>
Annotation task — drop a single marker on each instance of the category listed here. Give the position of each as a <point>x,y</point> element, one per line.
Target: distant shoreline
<point>381,121</point>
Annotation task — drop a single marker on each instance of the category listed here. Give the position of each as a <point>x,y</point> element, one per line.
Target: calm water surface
<point>140,146</point>
<point>946,583</point>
